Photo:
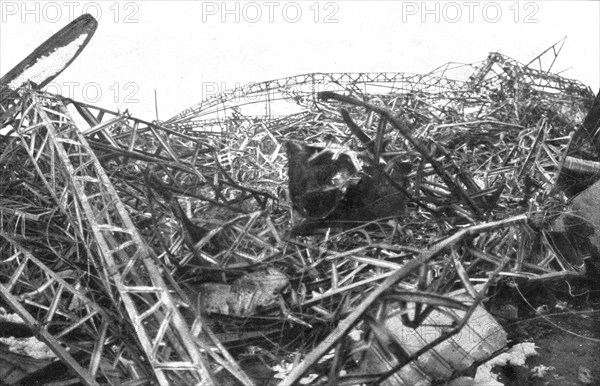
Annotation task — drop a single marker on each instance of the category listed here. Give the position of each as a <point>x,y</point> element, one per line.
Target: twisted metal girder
<point>70,170</point>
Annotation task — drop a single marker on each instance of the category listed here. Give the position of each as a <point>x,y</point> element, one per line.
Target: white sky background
<point>187,54</point>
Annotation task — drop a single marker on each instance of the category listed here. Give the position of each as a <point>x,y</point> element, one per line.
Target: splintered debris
<point>516,356</point>
<point>249,293</point>
<point>394,338</point>
<point>176,252</point>
<point>333,186</point>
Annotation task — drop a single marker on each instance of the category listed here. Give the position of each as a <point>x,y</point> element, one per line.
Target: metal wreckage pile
<point>174,253</point>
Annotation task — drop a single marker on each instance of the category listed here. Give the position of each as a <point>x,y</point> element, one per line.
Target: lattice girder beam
<point>120,137</point>
<point>307,84</point>
<point>498,68</point>
<point>124,132</point>
<point>129,262</point>
<point>65,316</point>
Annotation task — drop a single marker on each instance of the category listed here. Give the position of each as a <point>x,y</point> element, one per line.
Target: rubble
<point>331,187</point>
<point>476,341</point>
<point>108,220</point>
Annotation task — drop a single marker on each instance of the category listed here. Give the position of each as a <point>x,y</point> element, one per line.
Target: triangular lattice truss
<point>93,256</point>
<point>106,268</point>
<point>497,73</point>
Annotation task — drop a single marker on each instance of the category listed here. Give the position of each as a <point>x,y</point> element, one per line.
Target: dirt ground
<point>564,323</point>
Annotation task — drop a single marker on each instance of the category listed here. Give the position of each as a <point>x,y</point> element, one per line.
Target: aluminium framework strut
<point>129,263</point>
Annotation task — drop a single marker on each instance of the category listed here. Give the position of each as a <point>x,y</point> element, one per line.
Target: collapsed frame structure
<point>103,293</point>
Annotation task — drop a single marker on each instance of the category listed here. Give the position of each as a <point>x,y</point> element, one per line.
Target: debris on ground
<point>222,244</point>
<point>516,356</point>
<point>403,331</point>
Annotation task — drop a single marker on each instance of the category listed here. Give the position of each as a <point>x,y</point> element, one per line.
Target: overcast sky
<point>187,50</point>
